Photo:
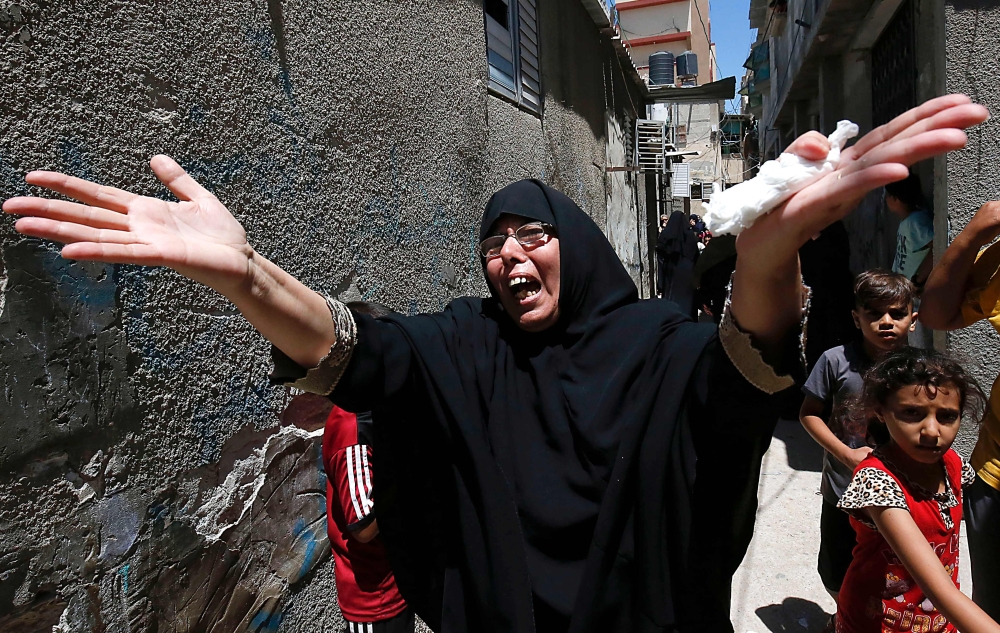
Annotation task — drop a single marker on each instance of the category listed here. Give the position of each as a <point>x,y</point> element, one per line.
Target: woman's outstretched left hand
<point>767,299</point>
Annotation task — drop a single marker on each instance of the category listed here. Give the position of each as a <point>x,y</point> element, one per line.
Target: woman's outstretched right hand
<point>196,236</point>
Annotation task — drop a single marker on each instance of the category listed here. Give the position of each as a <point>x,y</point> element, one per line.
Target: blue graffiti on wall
<point>383,223</point>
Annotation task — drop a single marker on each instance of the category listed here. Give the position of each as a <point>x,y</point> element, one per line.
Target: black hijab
<point>677,239</point>
<point>526,478</point>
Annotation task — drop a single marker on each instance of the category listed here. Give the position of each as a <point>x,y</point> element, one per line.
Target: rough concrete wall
<point>973,63</point>
<point>142,485</point>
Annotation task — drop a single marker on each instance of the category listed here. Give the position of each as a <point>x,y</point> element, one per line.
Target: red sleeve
<point>352,485</point>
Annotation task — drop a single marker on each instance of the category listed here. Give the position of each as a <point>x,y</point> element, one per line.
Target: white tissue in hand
<point>738,207</point>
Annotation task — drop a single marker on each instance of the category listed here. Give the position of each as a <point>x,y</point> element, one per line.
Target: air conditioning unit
<point>650,145</point>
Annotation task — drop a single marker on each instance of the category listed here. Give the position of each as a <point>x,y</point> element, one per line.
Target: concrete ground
<point>777,588</point>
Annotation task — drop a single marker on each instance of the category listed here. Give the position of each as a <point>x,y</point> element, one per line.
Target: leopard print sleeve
<point>871,488</point>
<point>968,474</point>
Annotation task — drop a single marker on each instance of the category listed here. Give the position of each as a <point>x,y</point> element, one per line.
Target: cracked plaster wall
<point>142,486</point>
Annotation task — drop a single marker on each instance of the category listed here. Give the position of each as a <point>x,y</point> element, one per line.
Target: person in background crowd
<point>824,260</point>
<point>825,263</point>
<point>367,593</point>
<point>661,263</point>
<point>915,237</point>
<point>712,273</point>
<point>678,247</point>
<point>905,501</point>
<point>884,314</point>
<point>964,288</point>
<point>703,239</point>
<point>697,225</point>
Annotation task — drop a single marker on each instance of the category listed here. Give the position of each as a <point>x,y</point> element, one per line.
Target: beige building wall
<point>663,20</point>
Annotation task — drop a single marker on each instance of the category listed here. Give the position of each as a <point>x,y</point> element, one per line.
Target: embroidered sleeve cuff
<point>323,378</point>
<point>739,346</point>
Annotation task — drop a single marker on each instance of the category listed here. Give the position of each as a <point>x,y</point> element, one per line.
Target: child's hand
<point>854,456</point>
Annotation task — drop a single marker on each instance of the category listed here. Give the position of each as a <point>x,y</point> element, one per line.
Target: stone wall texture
<point>150,478</point>
<point>973,175</point>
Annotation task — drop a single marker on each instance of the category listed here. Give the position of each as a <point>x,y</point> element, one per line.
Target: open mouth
<point>522,287</point>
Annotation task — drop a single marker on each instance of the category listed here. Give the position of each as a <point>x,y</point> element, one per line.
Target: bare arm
<point>768,265</point>
<point>941,308</point>
<point>809,416</point>
<point>909,544</point>
<point>366,533</point>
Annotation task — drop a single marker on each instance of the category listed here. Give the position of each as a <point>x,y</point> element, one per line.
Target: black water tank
<point>687,64</point>
<point>661,69</point>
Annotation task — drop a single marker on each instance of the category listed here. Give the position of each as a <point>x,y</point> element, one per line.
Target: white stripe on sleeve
<point>351,482</point>
<point>366,503</point>
<point>368,474</point>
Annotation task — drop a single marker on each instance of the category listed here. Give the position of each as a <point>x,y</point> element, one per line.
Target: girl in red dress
<point>905,502</point>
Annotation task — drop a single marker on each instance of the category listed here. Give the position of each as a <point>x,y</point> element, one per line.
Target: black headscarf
<point>677,239</point>
<point>526,478</point>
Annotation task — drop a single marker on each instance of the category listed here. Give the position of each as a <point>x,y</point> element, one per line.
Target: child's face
<point>923,421</point>
<point>896,206</point>
<point>885,327</point>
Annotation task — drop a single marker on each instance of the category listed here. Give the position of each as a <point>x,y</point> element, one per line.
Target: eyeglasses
<point>526,235</point>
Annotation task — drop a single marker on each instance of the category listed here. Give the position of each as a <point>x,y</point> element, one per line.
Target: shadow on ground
<point>803,451</point>
<point>794,615</point>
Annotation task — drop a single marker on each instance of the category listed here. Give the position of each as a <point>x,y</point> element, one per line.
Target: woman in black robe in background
<point>677,249</point>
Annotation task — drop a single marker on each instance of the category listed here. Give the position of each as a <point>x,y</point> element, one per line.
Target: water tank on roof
<point>687,64</point>
<point>661,69</point>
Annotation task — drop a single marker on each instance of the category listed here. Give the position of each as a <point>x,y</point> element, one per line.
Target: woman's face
<point>923,420</point>
<point>526,278</point>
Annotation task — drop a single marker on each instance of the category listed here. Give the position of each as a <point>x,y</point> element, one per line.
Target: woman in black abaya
<point>573,488</point>
<point>560,455</point>
<point>677,249</point>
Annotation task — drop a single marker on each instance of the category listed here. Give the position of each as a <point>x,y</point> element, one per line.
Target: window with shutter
<point>531,76</point>
<point>707,189</point>
<point>680,181</point>
<point>500,47</point>
<point>696,189</point>
<point>512,51</point>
